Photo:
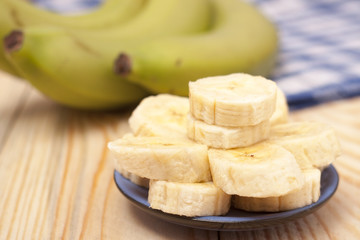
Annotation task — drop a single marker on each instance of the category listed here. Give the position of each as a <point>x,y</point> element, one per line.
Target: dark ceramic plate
<point>235,219</point>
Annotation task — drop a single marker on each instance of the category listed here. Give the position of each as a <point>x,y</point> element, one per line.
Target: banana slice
<point>160,115</point>
<point>261,170</point>
<point>281,114</point>
<point>308,194</point>
<point>232,100</point>
<point>313,144</point>
<point>144,182</point>
<point>226,137</point>
<point>188,199</point>
<point>162,158</point>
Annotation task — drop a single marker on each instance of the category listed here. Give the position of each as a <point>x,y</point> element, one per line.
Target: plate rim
<point>232,223</point>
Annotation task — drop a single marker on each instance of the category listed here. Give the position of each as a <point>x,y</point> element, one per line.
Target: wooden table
<point>56,176</point>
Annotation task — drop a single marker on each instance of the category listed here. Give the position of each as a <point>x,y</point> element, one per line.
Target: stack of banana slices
<point>229,144</point>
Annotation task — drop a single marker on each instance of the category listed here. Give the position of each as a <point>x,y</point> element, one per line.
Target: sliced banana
<point>160,115</point>
<point>308,194</point>
<point>188,199</point>
<point>162,158</point>
<point>144,182</point>
<point>313,144</point>
<point>281,114</point>
<point>232,100</point>
<point>261,170</point>
<point>226,137</point>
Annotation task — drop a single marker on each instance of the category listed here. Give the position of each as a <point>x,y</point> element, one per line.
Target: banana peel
<point>239,39</point>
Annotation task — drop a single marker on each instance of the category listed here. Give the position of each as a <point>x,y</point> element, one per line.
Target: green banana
<point>6,24</point>
<point>109,13</point>
<point>71,93</point>
<point>83,65</point>
<point>62,94</point>
<point>242,40</point>
<point>19,14</point>
<point>180,17</point>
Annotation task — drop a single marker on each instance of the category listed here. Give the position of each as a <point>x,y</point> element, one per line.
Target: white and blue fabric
<point>319,56</point>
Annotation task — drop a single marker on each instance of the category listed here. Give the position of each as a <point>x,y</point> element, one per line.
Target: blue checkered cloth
<point>319,59</point>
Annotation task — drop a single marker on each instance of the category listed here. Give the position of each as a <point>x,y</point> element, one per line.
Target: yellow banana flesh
<point>281,114</point>
<point>233,100</point>
<point>162,158</point>
<point>313,144</point>
<point>226,137</point>
<point>144,182</point>
<point>260,170</point>
<point>188,199</point>
<point>161,115</point>
<point>307,194</point>
<point>267,176</point>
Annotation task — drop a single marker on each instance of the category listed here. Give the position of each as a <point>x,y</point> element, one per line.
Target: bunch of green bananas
<point>127,49</point>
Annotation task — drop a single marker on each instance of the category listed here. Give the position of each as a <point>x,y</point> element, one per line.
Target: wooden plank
<point>13,93</point>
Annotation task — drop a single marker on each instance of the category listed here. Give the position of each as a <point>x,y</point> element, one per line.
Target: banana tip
<point>122,65</point>
<point>13,41</point>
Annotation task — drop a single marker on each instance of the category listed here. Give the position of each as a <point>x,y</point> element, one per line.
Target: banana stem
<point>13,41</point>
<point>123,65</point>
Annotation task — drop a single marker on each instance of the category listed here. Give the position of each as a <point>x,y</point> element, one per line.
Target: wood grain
<point>56,176</point>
